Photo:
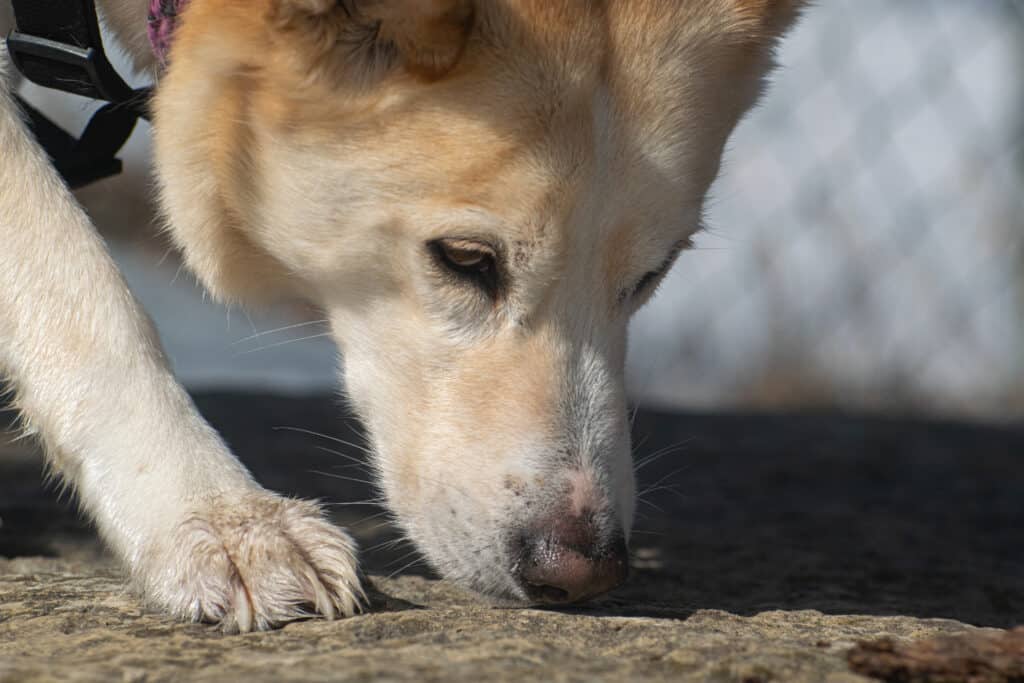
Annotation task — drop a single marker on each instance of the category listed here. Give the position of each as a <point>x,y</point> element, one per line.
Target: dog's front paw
<point>253,563</point>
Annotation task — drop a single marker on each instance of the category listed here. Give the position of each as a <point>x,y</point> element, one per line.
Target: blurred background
<point>865,250</point>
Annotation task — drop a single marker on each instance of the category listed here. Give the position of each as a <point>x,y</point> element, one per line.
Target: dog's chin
<point>491,582</point>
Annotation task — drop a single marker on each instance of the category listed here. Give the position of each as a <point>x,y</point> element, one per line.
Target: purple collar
<point>161,21</point>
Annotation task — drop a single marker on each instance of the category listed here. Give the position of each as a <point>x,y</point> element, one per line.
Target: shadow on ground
<point>741,513</point>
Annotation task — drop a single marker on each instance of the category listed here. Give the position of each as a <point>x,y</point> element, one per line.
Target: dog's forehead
<point>580,128</point>
<point>642,92</point>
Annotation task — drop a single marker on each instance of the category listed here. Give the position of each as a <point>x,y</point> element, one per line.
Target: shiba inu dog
<point>477,193</point>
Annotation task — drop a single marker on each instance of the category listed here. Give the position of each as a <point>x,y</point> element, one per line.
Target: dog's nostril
<point>556,572</point>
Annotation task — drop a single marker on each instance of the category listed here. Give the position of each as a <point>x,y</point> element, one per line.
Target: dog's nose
<point>567,563</point>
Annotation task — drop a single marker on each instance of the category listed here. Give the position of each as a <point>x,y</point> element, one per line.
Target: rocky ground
<point>767,549</point>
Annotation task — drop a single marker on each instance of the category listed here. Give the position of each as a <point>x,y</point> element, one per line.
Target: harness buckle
<point>82,71</point>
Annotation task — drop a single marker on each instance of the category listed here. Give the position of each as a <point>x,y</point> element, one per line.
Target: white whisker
<point>343,478</point>
<point>335,439</point>
<point>282,343</point>
<point>413,563</point>
<point>346,456</point>
<point>256,335</point>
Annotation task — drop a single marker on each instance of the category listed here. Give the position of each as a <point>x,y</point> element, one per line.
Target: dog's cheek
<point>384,352</point>
<point>372,389</point>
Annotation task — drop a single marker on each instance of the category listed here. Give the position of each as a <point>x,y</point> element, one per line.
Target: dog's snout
<point>569,562</point>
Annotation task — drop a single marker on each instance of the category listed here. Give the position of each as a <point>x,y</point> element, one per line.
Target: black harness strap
<point>57,44</point>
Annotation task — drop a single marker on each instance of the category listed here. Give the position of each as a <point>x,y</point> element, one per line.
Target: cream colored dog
<point>478,194</point>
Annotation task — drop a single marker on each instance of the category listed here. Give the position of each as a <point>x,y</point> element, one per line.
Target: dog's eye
<point>652,277</point>
<point>644,286</point>
<point>645,281</point>
<point>469,260</point>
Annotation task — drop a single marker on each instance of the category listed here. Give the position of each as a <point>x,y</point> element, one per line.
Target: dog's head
<point>479,195</point>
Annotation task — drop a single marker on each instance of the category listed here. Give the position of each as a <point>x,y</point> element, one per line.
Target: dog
<point>478,194</point>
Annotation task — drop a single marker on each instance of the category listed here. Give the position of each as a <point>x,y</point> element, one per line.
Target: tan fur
<point>318,149</point>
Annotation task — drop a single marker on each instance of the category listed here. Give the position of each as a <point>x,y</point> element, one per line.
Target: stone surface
<point>768,548</point>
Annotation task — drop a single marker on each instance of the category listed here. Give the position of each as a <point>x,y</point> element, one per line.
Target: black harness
<point>57,44</point>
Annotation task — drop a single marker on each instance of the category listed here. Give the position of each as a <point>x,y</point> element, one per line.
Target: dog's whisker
<point>410,565</point>
<point>362,449</point>
<point>673,473</point>
<point>358,467</point>
<point>653,505</point>
<point>404,556</point>
<point>282,343</point>
<point>670,489</point>
<point>670,448</point>
<point>285,328</point>
<point>381,525</point>
<point>652,457</point>
<point>346,503</point>
<point>302,430</point>
<point>389,544</point>
<point>641,515</point>
<point>356,462</point>
<point>660,453</point>
<point>356,480</point>
<point>388,522</point>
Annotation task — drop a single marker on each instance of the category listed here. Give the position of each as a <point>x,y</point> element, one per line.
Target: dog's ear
<point>426,37</point>
<point>769,19</point>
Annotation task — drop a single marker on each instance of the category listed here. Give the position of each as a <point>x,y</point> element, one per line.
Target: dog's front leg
<point>200,537</point>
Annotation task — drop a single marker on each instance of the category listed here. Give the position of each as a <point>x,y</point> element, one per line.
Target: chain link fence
<point>866,248</point>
